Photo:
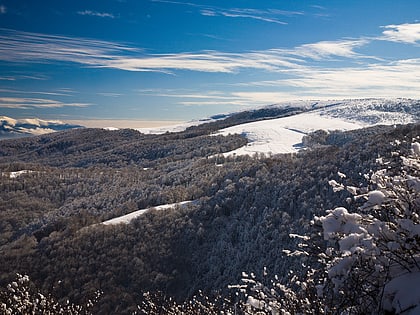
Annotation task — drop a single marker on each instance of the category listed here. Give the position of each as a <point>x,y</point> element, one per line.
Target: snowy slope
<point>128,217</point>
<point>284,135</point>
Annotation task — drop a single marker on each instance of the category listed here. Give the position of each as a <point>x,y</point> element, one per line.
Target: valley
<point>254,177</point>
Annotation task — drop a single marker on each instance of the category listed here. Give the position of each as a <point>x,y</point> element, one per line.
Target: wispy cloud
<point>20,92</point>
<point>109,94</point>
<point>30,103</point>
<point>193,98</point>
<point>266,15</point>
<point>3,9</point>
<point>309,70</point>
<point>7,78</point>
<point>319,7</point>
<point>97,14</point>
<point>393,79</point>
<point>17,46</point>
<point>270,15</point>
<point>22,77</point>
<point>214,97</point>
<point>325,49</point>
<point>30,99</point>
<point>206,61</point>
<point>405,33</point>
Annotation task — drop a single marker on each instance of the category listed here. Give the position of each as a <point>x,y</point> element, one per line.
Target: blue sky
<point>182,60</point>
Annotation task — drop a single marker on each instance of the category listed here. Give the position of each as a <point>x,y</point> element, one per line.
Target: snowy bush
<point>365,261</point>
<point>200,304</point>
<point>22,297</point>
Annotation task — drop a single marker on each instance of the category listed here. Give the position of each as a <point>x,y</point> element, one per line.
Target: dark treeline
<point>246,208</point>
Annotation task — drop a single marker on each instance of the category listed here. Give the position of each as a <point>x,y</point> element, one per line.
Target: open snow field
<point>284,135</point>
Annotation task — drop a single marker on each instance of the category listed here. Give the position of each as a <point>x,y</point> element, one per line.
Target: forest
<point>244,211</point>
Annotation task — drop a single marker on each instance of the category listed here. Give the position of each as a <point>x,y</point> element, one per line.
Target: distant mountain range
<point>16,128</point>
<point>296,118</point>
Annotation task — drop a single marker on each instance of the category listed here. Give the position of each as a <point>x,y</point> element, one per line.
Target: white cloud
<point>208,12</point>
<point>28,103</point>
<point>98,14</point>
<point>267,15</point>
<point>3,9</point>
<point>206,61</point>
<point>7,78</point>
<point>405,33</point>
<point>13,91</point>
<point>18,46</point>
<point>109,94</point>
<point>394,79</point>
<point>299,70</point>
<point>196,98</point>
<point>253,98</point>
<point>323,49</point>
<point>214,97</point>
<point>22,77</point>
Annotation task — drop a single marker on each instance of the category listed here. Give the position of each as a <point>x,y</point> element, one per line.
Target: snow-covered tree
<point>22,297</point>
<point>359,259</point>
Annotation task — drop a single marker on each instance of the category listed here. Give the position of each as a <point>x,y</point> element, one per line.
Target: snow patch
<point>402,294</point>
<point>125,219</point>
<point>17,173</point>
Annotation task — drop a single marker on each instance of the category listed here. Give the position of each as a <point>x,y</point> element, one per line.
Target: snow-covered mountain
<point>12,128</point>
<point>284,135</point>
<point>268,133</point>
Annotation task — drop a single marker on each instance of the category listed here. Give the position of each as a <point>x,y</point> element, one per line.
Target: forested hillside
<point>246,208</point>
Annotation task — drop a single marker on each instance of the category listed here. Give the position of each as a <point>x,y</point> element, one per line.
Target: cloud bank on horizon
<point>163,59</point>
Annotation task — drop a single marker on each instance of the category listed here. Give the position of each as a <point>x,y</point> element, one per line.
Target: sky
<point>182,60</point>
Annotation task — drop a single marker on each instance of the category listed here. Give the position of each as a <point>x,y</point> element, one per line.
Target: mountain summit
<point>13,128</point>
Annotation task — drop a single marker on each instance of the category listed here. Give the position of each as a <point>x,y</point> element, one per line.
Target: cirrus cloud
<point>324,49</point>
<point>405,33</point>
<point>97,14</point>
<point>18,46</point>
<point>30,103</point>
<point>306,71</point>
<point>265,15</point>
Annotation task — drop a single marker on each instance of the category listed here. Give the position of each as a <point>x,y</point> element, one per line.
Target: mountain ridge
<point>15,128</point>
<point>57,187</point>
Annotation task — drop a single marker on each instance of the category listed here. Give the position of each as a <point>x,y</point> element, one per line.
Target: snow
<point>17,173</point>
<point>340,220</point>
<point>375,198</point>
<point>258,304</point>
<point>336,186</point>
<point>415,147</point>
<point>10,127</point>
<point>283,135</point>
<point>402,294</point>
<point>125,219</point>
